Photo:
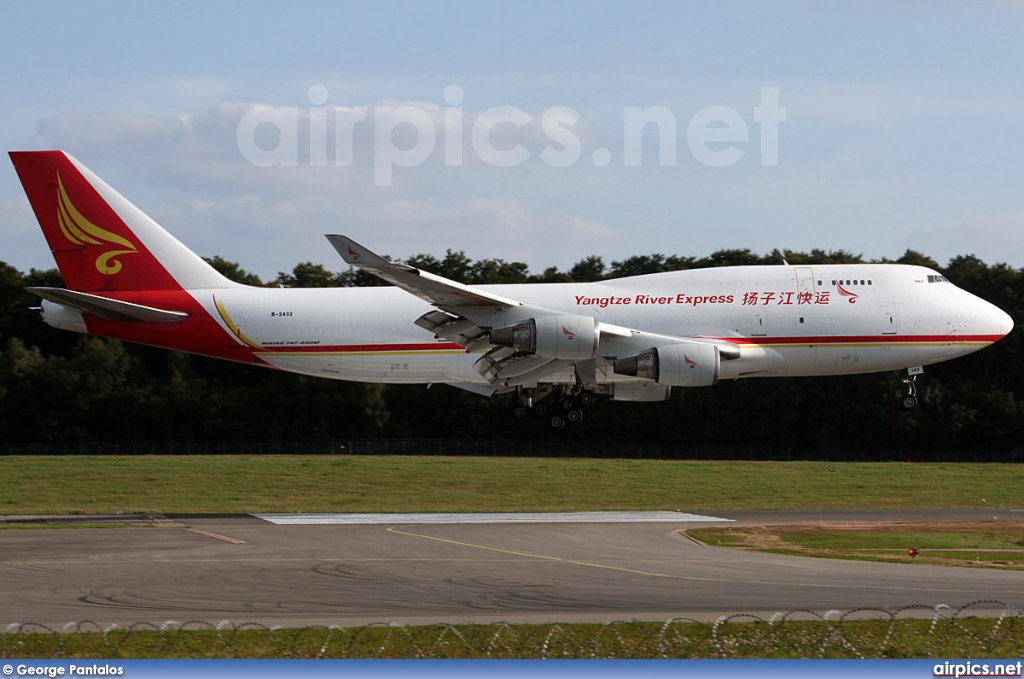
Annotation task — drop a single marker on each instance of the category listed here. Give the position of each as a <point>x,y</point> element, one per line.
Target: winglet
<point>355,254</point>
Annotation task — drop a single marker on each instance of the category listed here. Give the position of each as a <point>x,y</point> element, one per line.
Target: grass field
<point>989,544</point>
<point>216,484</point>
<point>295,483</point>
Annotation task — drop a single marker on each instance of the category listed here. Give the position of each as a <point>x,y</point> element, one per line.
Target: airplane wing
<point>439,291</point>
<point>465,317</point>
<point>479,320</point>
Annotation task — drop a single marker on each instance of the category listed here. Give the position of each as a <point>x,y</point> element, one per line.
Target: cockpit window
<point>932,278</point>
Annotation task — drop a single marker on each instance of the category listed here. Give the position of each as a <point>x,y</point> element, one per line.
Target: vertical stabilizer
<point>99,239</point>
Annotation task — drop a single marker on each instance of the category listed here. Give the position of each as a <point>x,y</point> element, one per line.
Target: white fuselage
<point>787,320</point>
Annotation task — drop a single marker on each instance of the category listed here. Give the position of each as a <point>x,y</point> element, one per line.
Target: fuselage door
<point>890,319</point>
<point>760,323</point>
<point>804,279</point>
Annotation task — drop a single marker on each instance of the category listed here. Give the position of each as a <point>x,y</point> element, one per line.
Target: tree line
<point>61,387</point>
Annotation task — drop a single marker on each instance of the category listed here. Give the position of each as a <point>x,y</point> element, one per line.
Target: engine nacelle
<point>677,365</point>
<point>62,317</point>
<point>573,338</point>
<point>640,391</point>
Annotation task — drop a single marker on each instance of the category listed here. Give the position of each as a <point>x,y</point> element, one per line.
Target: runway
<point>247,569</point>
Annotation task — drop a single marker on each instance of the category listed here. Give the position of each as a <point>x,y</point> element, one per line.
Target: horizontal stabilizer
<point>108,309</point>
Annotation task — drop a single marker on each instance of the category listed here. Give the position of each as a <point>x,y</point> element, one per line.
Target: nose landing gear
<point>909,402</point>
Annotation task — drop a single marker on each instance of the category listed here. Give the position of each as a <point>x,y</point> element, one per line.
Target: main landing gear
<point>909,402</point>
<point>558,405</point>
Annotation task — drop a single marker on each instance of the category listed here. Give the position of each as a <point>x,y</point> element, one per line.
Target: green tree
<point>639,265</point>
<point>233,271</point>
<point>487,271</point>
<point>551,275</point>
<point>60,386</point>
<point>360,278</point>
<point>309,275</point>
<point>20,310</point>
<point>917,259</point>
<point>734,257</point>
<point>586,270</point>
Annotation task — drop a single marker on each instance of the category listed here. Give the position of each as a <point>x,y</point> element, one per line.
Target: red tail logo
<point>80,231</point>
<point>355,255</point>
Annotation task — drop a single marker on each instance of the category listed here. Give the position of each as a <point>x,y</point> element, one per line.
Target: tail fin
<point>100,241</point>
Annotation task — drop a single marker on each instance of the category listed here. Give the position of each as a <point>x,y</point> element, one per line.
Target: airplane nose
<point>1005,323</point>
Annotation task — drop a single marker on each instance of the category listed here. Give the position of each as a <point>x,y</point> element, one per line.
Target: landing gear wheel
<point>541,409</point>
<point>519,412</point>
<point>574,415</point>
<point>587,398</point>
<point>909,402</point>
<point>557,422</point>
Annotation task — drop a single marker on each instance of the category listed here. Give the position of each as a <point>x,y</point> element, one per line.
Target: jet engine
<point>573,338</point>
<point>640,391</point>
<point>677,365</point>
<point>62,317</point>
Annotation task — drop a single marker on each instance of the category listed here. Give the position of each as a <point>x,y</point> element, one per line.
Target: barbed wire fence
<point>977,630</point>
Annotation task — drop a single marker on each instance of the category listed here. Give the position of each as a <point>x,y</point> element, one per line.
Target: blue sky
<point>903,125</point>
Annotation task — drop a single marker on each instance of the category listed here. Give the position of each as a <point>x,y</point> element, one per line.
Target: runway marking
<point>486,517</point>
<point>670,576</point>
<point>541,557</point>
<point>225,538</point>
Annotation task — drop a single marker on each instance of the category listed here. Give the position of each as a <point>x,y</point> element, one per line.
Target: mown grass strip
<point>989,544</point>
<point>63,525</point>
<point>105,484</point>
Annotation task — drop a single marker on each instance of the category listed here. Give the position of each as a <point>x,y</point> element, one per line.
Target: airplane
<point>556,346</point>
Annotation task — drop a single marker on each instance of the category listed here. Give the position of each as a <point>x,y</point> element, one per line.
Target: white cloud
<point>850,173</point>
<point>188,173</point>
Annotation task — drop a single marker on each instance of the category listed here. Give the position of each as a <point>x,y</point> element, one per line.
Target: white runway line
<point>492,517</point>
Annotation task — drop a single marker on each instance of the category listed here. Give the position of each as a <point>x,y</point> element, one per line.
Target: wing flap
<point>462,331</point>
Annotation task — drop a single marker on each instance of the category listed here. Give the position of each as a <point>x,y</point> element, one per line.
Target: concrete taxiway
<point>400,569</point>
